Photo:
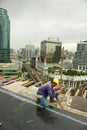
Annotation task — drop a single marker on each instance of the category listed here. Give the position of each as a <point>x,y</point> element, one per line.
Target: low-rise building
<point>9,69</point>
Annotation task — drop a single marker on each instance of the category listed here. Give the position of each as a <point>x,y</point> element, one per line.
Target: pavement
<point>21,113</point>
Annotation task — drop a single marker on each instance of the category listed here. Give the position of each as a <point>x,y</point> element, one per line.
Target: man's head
<point>55,82</point>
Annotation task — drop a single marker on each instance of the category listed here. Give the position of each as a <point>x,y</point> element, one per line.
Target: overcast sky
<point>35,20</point>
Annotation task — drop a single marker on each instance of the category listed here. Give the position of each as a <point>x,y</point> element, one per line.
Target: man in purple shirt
<point>47,90</point>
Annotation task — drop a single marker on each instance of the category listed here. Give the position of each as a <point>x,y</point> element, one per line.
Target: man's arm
<point>52,93</point>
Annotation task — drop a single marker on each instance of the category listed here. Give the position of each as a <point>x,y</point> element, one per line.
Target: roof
<point>20,113</point>
<point>79,103</point>
<point>68,103</point>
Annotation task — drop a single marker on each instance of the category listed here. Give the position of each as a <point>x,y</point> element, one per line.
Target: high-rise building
<point>4,36</point>
<point>51,50</point>
<point>29,51</point>
<point>80,57</point>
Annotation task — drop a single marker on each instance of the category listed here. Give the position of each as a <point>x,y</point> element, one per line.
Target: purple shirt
<point>46,90</point>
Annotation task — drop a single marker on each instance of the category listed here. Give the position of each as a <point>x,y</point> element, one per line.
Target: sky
<point>33,21</point>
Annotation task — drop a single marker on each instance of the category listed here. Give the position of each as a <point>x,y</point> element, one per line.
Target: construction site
<point>43,88</point>
<point>18,96</point>
<point>69,109</point>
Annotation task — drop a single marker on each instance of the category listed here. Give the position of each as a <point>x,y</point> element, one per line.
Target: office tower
<point>51,50</point>
<point>80,57</point>
<point>4,36</point>
<point>29,52</point>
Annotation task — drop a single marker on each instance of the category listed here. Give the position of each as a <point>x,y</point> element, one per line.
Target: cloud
<point>36,20</point>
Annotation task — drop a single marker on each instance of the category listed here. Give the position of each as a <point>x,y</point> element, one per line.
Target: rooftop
<point>74,104</point>
<point>21,113</point>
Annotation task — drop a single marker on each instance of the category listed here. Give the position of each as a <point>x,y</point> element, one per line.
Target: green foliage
<point>73,92</point>
<point>64,90</point>
<point>52,69</point>
<point>70,72</point>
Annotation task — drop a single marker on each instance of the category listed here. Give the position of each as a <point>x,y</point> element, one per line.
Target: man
<point>47,90</point>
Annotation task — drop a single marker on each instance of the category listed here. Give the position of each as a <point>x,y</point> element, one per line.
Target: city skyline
<point>33,21</point>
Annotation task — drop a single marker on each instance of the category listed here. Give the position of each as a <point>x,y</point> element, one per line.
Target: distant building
<point>4,36</point>
<point>51,50</point>
<point>21,55</point>
<point>80,58</point>
<point>29,51</point>
<point>37,51</point>
<point>33,61</point>
<point>9,69</point>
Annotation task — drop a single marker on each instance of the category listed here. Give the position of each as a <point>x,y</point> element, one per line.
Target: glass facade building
<point>51,50</point>
<point>80,57</point>
<point>4,36</point>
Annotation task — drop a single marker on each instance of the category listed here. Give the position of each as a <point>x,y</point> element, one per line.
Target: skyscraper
<point>4,36</point>
<point>51,50</point>
<point>80,57</point>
